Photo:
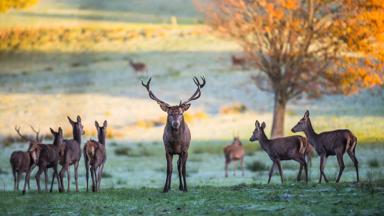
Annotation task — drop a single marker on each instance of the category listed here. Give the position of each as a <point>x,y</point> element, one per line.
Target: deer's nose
<point>293,130</point>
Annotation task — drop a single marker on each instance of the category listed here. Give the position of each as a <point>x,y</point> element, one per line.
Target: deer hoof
<point>23,192</point>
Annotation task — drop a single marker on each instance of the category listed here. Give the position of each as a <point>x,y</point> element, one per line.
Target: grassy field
<point>64,58</point>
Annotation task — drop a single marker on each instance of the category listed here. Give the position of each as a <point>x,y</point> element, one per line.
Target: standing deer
<point>234,152</point>
<point>238,61</point>
<point>138,67</point>
<point>95,157</point>
<point>49,158</point>
<point>24,162</point>
<point>283,148</point>
<point>328,143</point>
<point>72,153</point>
<point>176,136</point>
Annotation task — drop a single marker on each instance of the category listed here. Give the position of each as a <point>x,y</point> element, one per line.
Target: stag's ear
<point>71,121</point>
<point>185,107</point>
<point>78,119</point>
<point>105,124</point>
<point>97,125</point>
<point>263,125</point>
<point>60,131</point>
<point>52,131</point>
<point>164,107</point>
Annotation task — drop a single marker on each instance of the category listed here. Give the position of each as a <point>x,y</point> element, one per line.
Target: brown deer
<point>95,157</point>
<point>238,61</point>
<point>176,136</point>
<point>283,148</point>
<point>72,153</point>
<point>328,143</point>
<point>24,162</point>
<point>138,67</point>
<point>234,152</point>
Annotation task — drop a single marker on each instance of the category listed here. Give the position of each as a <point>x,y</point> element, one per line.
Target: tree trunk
<point>278,115</point>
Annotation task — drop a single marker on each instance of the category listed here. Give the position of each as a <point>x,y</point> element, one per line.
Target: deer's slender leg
<point>242,166</point>
<point>179,170</point>
<point>37,176</point>
<point>169,158</point>
<point>76,165</point>
<point>185,158</point>
<point>322,165</point>
<point>226,167</point>
<point>341,164</point>
<point>280,171</point>
<point>18,180</point>
<point>355,163</point>
<point>27,175</point>
<point>234,167</point>
<point>86,171</point>
<point>46,179</point>
<point>14,179</point>
<point>299,174</point>
<point>93,176</point>
<point>53,177</point>
<point>61,175</point>
<point>271,171</point>
<point>101,168</point>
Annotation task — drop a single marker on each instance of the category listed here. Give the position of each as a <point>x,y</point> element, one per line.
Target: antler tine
<point>22,136</point>
<point>197,93</point>
<point>151,95</point>
<point>37,132</point>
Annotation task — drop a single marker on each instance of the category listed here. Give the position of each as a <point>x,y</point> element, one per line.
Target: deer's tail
<point>352,143</point>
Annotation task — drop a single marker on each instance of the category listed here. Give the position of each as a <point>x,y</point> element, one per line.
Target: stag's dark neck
<point>310,133</point>
<point>77,135</point>
<point>264,140</point>
<point>101,137</point>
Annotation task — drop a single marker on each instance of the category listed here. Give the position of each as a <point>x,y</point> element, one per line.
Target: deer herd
<point>176,138</point>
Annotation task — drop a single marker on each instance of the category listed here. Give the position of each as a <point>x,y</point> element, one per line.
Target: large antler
<point>17,129</point>
<point>37,132</point>
<point>151,95</point>
<point>197,93</point>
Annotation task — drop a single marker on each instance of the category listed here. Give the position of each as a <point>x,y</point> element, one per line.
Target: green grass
<point>287,199</point>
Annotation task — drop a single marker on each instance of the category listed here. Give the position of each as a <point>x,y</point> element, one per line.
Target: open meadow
<point>68,58</point>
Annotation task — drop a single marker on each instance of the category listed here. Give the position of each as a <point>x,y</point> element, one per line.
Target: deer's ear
<point>52,131</point>
<point>71,121</point>
<point>164,107</point>
<point>263,125</point>
<point>105,124</point>
<point>60,131</point>
<point>78,119</point>
<point>257,124</point>
<point>306,114</point>
<point>97,124</point>
<point>185,107</point>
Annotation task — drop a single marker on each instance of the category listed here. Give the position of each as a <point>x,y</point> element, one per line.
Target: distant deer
<point>176,136</point>
<point>328,143</point>
<point>24,162</point>
<point>72,153</point>
<point>283,148</point>
<point>49,158</point>
<point>138,67</point>
<point>95,157</point>
<point>234,152</point>
<point>238,61</point>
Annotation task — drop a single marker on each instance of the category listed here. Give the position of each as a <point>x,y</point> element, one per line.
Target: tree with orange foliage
<point>6,5</point>
<point>304,47</point>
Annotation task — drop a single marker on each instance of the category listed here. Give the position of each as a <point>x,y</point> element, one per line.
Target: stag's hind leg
<point>14,179</point>
<point>352,155</point>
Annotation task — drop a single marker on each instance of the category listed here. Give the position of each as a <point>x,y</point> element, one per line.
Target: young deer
<point>49,158</point>
<point>234,152</point>
<point>95,157</point>
<point>328,143</point>
<point>283,148</point>
<point>24,162</point>
<point>72,153</point>
<point>176,136</point>
<point>138,66</point>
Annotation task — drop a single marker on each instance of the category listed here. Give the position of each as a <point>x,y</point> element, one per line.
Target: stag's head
<point>302,124</point>
<point>236,141</point>
<point>258,132</point>
<point>175,113</point>
<point>76,125</point>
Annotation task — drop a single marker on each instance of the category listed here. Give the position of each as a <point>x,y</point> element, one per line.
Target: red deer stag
<point>328,143</point>
<point>138,67</point>
<point>283,148</point>
<point>234,152</point>
<point>24,162</point>
<point>72,153</point>
<point>95,157</point>
<point>176,136</point>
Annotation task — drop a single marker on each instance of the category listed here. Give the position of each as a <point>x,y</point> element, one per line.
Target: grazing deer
<point>234,152</point>
<point>95,157</point>
<point>138,67</point>
<point>328,143</point>
<point>24,162</point>
<point>283,148</point>
<point>72,153</point>
<point>238,61</point>
<point>176,136</point>
<point>49,158</point>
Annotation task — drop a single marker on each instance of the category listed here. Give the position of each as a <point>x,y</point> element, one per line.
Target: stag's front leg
<point>234,167</point>
<point>167,185</point>
<point>179,169</point>
<point>184,160</point>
